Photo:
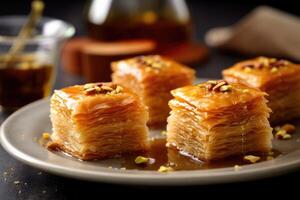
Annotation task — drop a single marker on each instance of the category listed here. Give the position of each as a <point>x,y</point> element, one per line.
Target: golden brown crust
<point>280,79</point>
<point>269,73</point>
<point>58,146</point>
<point>208,119</point>
<point>152,78</point>
<point>204,99</point>
<point>101,123</point>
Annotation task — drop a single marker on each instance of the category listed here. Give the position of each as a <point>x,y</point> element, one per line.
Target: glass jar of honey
<point>30,75</point>
<point>167,22</point>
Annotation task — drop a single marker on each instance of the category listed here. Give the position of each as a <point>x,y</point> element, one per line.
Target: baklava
<point>152,78</point>
<point>98,120</point>
<point>280,79</point>
<point>215,120</point>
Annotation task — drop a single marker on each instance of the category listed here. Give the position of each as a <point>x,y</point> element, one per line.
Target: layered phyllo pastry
<point>280,79</point>
<point>152,78</point>
<point>98,120</point>
<point>214,120</point>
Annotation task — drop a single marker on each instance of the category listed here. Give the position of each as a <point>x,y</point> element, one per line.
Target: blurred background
<point>195,42</point>
<point>205,14</point>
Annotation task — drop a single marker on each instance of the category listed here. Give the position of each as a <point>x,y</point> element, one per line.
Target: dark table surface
<point>34,184</point>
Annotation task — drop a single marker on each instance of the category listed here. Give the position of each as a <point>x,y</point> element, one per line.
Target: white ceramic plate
<point>20,131</point>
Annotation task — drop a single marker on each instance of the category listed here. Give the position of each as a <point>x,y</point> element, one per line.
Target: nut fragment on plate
<point>237,167</point>
<point>165,169</point>
<point>284,132</point>
<point>282,135</point>
<point>141,160</point>
<point>251,158</point>
<point>46,136</point>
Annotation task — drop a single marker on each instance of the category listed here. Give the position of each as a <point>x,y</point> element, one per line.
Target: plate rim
<point>185,177</point>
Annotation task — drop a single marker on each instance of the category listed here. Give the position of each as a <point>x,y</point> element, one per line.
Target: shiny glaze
<point>263,76</point>
<point>205,100</point>
<point>181,161</point>
<point>140,70</point>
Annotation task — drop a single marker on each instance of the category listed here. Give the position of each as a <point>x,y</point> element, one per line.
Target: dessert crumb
<point>237,167</point>
<point>165,169</point>
<point>251,158</point>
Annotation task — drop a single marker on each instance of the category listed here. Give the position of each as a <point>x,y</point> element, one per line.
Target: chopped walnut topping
<point>154,62</point>
<point>99,88</point>
<point>251,158</point>
<point>271,64</point>
<point>107,88</point>
<point>141,160</point>
<point>216,86</point>
<point>225,88</point>
<point>119,89</point>
<point>165,169</point>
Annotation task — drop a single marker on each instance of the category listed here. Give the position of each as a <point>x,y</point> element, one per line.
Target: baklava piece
<point>280,79</point>
<point>214,120</point>
<point>152,78</point>
<point>98,120</point>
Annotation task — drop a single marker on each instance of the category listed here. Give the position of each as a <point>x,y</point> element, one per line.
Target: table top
<point>19,181</point>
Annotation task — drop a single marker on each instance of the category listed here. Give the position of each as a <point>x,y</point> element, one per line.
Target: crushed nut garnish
<point>225,88</point>
<point>282,135</point>
<point>119,89</point>
<point>237,167</point>
<point>212,82</point>
<point>88,85</point>
<point>271,64</point>
<point>154,62</point>
<point>217,86</point>
<point>251,158</point>
<point>165,169</point>
<point>141,160</point>
<point>107,88</point>
<point>247,69</point>
<point>46,136</point>
<point>274,69</point>
<point>99,88</point>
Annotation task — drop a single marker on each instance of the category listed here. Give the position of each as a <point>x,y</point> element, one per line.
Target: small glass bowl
<point>31,74</point>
